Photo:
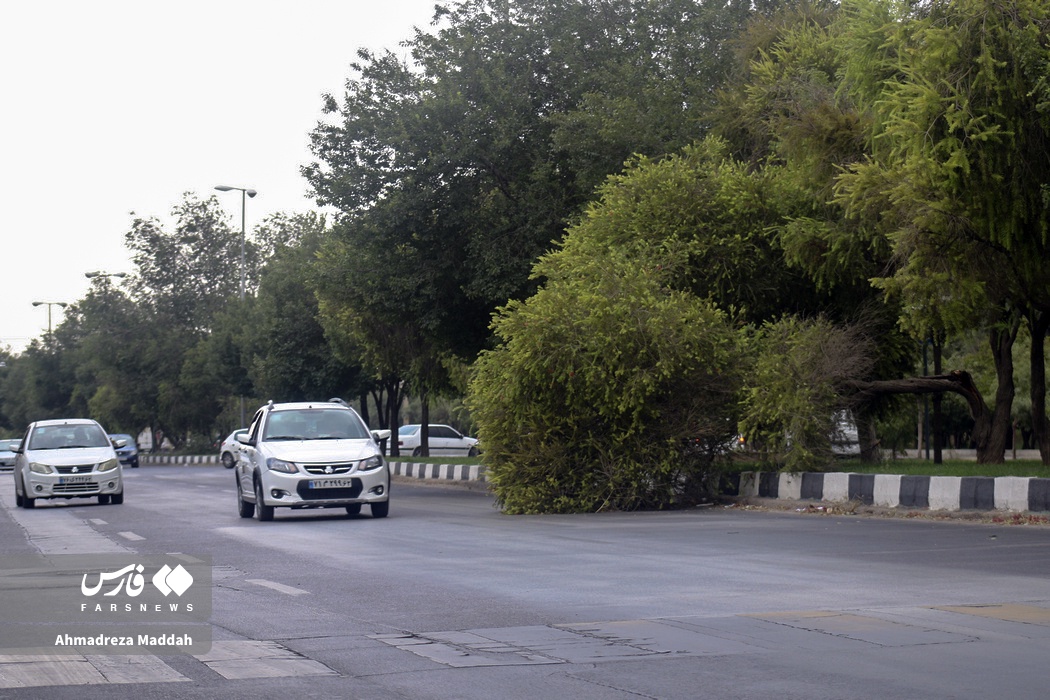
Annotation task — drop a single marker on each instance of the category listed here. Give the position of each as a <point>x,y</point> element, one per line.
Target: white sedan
<point>442,440</point>
<point>71,458</point>
<point>230,448</point>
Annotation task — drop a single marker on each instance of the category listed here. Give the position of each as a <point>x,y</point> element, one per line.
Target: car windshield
<point>407,429</point>
<point>63,437</point>
<point>314,424</point>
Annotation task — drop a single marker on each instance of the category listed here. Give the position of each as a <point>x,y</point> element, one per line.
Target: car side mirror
<point>243,439</point>
<point>381,435</point>
<point>119,443</point>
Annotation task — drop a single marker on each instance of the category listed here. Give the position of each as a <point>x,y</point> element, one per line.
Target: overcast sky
<point>119,106</point>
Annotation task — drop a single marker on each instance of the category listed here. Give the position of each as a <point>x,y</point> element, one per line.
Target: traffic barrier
<point>947,493</point>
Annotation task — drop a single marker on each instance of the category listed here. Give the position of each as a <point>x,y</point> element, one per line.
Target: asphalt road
<point>448,598</point>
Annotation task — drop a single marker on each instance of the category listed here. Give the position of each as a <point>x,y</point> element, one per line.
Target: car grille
<point>328,468</point>
<point>75,488</point>
<point>80,469</point>
<point>308,494</point>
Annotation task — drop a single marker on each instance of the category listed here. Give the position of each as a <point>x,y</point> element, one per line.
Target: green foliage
<point>796,388</point>
<point>615,386</point>
<point>492,138</point>
<point>598,387</point>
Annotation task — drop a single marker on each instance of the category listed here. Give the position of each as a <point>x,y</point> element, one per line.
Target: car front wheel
<point>103,499</point>
<point>117,498</point>
<point>27,500</point>
<point>380,509</point>
<point>245,508</point>
<point>262,511</point>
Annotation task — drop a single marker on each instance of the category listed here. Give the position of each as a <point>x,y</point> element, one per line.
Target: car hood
<point>69,457</point>
<point>315,451</point>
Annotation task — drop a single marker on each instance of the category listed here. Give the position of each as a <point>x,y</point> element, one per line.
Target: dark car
<point>129,453</point>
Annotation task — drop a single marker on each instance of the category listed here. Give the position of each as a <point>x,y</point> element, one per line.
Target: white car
<point>231,448</point>
<point>67,458</point>
<point>441,440</point>
<point>311,455</point>
<point>7,454</point>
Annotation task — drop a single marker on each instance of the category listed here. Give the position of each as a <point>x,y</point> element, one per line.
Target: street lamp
<point>49,305</point>
<point>100,273</point>
<point>251,193</point>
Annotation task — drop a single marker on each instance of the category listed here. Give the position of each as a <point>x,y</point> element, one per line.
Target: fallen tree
<point>990,447</point>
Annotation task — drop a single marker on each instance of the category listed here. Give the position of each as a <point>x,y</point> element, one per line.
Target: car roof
<point>300,405</point>
<point>64,421</point>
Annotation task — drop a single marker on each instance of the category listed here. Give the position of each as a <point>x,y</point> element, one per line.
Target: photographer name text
<point>142,640</point>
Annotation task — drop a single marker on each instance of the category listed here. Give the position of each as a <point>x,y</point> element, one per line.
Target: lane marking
<point>131,536</point>
<point>280,587</point>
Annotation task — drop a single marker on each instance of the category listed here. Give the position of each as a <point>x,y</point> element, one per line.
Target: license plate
<point>329,484</point>
<point>74,479</point>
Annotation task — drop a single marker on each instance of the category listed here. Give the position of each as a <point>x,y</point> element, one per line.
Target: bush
<point>609,391</point>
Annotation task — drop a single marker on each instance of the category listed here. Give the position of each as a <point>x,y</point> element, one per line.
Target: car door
<point>443,441</point>
<point>248,457</point>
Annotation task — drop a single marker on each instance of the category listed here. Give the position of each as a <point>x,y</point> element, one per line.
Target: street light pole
<point>250,193</point>
<point>49,305</point>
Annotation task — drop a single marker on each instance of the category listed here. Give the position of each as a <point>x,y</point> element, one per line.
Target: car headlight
<point>109,465</point>
<point>39,468</point>
<point>279,465</point>
<point>367,465</point>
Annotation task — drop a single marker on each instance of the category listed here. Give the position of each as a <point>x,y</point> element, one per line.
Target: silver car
<point>441,440</point>
<point>230,449</point>
<point>311,455</point>
<point>7,454</point>
<point>67,458</point>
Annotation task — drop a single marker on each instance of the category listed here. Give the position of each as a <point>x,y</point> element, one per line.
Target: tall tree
<point>959,174</point>
<point>183,275</point>
<point>508,116</point>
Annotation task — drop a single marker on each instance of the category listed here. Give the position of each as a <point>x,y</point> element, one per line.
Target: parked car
<point>311,455</point>
<point>442,440</point>
<point>845,441</point>
<point>129,453</point>
<point>230,448</point>
<point>67,458</point>
<point>7,454</point>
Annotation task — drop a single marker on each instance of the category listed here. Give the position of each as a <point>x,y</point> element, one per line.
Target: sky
<point>117,106</point>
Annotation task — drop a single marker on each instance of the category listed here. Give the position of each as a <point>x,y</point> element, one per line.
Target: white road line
<point>59,531</point>
<point>97,521</point>
<point>280,587</point>
<point>131,536</point>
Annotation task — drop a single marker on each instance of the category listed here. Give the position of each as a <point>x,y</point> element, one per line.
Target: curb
<point>158,460</point>
<point>443,472</point>
<point>1014,494</point>
<point>411,470</point>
